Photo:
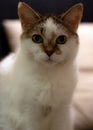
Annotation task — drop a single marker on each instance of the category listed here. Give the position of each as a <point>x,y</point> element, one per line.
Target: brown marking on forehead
<point>38,26</point>
<point>57,20</point>
<point>41,30</point>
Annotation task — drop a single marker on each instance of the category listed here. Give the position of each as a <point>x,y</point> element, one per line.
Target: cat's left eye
<point>61,39</point>
<point>37,38</point>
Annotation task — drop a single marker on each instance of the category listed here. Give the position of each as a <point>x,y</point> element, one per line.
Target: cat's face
<point>50,40</point>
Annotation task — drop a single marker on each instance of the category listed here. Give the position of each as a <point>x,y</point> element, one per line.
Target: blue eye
<point>37,38</point>
<point>61,39</point>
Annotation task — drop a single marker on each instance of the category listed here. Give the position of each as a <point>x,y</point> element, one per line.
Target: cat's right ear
<point>27,15</point>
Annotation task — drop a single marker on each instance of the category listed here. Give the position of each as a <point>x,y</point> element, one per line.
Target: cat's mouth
<point>50,61</point>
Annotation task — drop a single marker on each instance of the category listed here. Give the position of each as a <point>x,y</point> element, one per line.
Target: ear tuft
<point>73,16</point>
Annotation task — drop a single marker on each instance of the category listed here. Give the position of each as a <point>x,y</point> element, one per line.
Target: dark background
<point>8,10</point>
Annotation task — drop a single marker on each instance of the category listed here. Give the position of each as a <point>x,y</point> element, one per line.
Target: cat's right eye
<point>37,38</point>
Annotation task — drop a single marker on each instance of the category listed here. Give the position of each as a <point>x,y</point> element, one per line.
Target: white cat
<point>37,83</point>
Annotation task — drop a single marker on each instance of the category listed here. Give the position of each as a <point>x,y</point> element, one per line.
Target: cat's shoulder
<point>7,63</point>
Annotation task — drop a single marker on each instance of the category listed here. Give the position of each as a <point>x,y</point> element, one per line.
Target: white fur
<point>31,84</point>
<point>51,27</point>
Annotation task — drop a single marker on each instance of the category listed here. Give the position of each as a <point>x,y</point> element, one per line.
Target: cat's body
<point>41,88</point>
<point>36,87</point>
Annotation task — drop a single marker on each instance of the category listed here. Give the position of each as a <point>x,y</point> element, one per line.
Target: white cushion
<point>13,31</point>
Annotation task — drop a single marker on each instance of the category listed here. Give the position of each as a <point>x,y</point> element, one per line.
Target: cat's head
<point>50,39</point>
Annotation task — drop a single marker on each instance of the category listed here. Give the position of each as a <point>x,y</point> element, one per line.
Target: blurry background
<point>8,10</point>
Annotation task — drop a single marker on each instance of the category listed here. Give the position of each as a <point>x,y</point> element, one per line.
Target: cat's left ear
<point>27,15</point>
<point>73,16</point>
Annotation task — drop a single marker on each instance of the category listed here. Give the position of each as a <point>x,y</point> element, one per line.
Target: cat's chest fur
<point>36,94</point>
<point>45,87</point>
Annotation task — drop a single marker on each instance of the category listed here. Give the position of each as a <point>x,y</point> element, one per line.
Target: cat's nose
<point>49,53</point>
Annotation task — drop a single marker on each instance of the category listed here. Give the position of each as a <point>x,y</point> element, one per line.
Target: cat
<point>37,83</point>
